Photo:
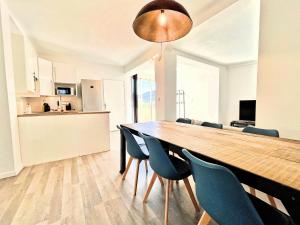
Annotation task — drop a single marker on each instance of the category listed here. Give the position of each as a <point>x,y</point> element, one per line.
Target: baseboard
<point>11,173</point>
<point>7,174</point>
<point>18,170</point>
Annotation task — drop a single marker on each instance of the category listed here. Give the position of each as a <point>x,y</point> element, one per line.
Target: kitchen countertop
<point>59,113</point>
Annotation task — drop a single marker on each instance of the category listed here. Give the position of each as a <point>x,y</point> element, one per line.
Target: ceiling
<point>101,30</point>
<point>229,37</point>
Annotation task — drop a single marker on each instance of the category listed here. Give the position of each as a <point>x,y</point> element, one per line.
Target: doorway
<point>144,92</point>
<point>114,101</point>
<point>197,90</point>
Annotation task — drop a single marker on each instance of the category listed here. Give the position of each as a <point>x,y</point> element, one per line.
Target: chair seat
<point>269,214</point>
<point>182,168</point>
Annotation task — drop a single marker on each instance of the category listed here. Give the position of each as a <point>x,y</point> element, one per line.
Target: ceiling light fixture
<point>162,21</point>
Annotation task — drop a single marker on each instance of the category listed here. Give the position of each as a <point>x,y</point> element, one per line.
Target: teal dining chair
<point>223,198</point>
<point>184,120</point>
<point>136,151</point>
<point>265,132</point>
<point>213,125</point>
<point>168,167</point>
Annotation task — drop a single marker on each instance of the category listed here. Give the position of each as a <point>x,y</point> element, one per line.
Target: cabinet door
<point>19,63</point>
<point>46,86</point>
<point>32,73</point>
<point>46,77</point>
<point>64,73</point>
<point>45,69</point>
<point>31,65</point>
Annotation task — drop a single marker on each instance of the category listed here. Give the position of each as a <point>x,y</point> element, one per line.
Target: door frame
<point>135,98</point>
<point>124,97</point>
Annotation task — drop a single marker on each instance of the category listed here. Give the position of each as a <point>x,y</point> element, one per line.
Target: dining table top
<point>277,159</point>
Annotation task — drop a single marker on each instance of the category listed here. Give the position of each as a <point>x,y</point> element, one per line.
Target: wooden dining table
<point>271,165</point>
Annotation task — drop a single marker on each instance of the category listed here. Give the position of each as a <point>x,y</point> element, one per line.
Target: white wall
<point>10,160</point>
<point>223,82</point>
<point>278,90</point>
<point>242,82</point>
<point>200,82</point>
<point>223,94</point>
<point>165,80</point>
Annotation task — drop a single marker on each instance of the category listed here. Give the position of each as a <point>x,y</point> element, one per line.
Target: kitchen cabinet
<point>45,138</point>
<point>46,77</point>
<point>24,64</point>
<point>64,73</point>
<point>31,66</point>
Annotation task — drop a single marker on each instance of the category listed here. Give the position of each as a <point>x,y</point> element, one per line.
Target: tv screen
<point>247,110</point>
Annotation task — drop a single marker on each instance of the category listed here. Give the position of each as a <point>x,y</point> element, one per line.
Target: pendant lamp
<point>162,21</point>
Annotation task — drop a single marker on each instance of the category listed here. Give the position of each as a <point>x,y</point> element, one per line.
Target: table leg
<point>122,153</point>
<point>292,206</point>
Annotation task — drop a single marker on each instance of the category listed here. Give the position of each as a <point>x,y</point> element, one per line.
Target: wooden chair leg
<point>146,165</point>
<point>136,176</point>
<point>205,219</point>
<point>191,194</point>
<point>161,180</point>
<point>272,201</point>
<point>172,186</point>
<point>252,191</point>
<point>154,176</point>
<point>127,167</point>
<point>167,203</point>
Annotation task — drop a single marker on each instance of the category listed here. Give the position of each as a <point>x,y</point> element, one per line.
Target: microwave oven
<point>64,91</point>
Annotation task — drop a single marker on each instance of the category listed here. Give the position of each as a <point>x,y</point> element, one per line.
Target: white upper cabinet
<point>31,66</point>
<point>64,73</point>
<point>24,62</point>
<point>25,65</point>
<point>45,69</point>
<point>46,77</point>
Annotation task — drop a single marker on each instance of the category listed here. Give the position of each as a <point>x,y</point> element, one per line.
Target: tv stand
<point>242,123</point>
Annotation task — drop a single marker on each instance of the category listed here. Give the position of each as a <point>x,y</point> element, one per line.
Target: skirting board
<point>11,173</point>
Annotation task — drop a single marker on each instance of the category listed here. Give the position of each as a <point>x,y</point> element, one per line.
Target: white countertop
<point>59,113</point>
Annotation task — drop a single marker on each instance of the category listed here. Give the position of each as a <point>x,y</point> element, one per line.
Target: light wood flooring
<point>89,190</point>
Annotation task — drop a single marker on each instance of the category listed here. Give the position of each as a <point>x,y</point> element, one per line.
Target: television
<point>247,110</point>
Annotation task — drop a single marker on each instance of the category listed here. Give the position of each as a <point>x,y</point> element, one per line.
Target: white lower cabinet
<point>56,137</point>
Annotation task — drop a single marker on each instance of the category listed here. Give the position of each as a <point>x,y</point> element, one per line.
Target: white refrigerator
<point>92,95</point>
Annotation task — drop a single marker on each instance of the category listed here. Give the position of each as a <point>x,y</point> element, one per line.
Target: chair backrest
<point>221,194</point>
<point>213,125</point>
<point>266,132</point>
<point>158,158</point>
<point>184,120</point>
<point>133,148</point>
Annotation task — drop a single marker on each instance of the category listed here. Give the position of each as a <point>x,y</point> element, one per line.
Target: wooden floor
<point>89,190</point>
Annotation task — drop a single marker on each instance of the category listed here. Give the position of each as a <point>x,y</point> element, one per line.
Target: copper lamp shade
<point>162,21</point>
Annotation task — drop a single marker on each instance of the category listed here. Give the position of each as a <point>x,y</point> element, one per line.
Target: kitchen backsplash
<point>36,103</point>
